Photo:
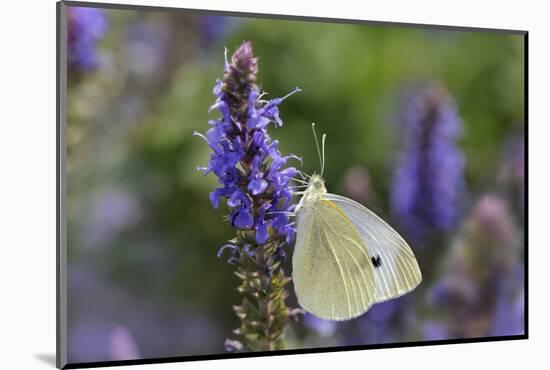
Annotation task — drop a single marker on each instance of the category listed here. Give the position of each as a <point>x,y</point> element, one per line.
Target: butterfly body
<point>337,262</point>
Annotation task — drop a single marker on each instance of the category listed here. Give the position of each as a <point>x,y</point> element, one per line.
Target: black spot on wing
<point>376,261</point>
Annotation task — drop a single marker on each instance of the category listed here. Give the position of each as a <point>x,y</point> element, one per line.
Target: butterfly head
<point>316,183</point>
<point>316,187</point>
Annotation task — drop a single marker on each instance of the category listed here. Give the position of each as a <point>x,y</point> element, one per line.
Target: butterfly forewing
<point>332,271</point>
<point>396,270</point>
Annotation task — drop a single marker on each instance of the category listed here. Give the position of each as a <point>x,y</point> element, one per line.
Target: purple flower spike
<point>85,28</point>
<point>245,159</point>
<point>254,181</point>
<point>257,186</point>
<point>429,177</point>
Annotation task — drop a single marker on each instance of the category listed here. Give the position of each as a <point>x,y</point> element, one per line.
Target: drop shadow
<point>47,358</point>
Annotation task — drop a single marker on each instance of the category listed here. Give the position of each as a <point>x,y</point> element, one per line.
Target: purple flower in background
<point>513,158</point>
<point>112,212</point>
<point>428,179</point>
<point>512,171</point>
<point>509,313</point>
<point>481,293</point>
<point>256,186</point>
<point>376,325</point>
<point>383,312</point>
<point>324,328</point>
<point>455,290</point>
<point>433,330</point>
<point>383,323</point>
<point>146,45</point>
<point>122,345</point>
<point>85,28</point>
<point>492,217</point>
<point>213,28</point>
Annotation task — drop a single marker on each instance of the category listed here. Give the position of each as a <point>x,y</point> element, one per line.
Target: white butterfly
<point>346,258</point>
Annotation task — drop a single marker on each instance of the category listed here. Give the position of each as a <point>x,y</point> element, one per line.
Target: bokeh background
<point>425,127</point>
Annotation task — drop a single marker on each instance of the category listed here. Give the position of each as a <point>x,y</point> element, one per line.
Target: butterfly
<point>346,258</point>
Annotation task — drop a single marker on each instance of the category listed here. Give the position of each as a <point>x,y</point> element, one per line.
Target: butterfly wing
<point>332,271</point>
<point>398,271</point>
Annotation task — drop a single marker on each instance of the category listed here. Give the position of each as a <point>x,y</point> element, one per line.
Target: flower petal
<point>243,219</point>
<point>257,186</point>
<point>262,233</point>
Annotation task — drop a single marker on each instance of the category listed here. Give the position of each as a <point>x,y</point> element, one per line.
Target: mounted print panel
<point>235,184</point>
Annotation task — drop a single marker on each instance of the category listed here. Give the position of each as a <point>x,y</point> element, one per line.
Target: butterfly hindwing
<point>332,271</point>
<point>396,270</point>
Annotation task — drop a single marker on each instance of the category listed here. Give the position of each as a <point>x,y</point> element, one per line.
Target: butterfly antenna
<point>323,153</point>
<point>317,144</point>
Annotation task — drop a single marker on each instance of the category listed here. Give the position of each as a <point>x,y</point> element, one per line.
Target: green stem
<point>263,313</point>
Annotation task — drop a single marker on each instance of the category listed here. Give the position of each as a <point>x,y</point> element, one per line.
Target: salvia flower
<point>428,180</point>
<point>85,28</point>
<point>255,183</point>
<point>249,167</point>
